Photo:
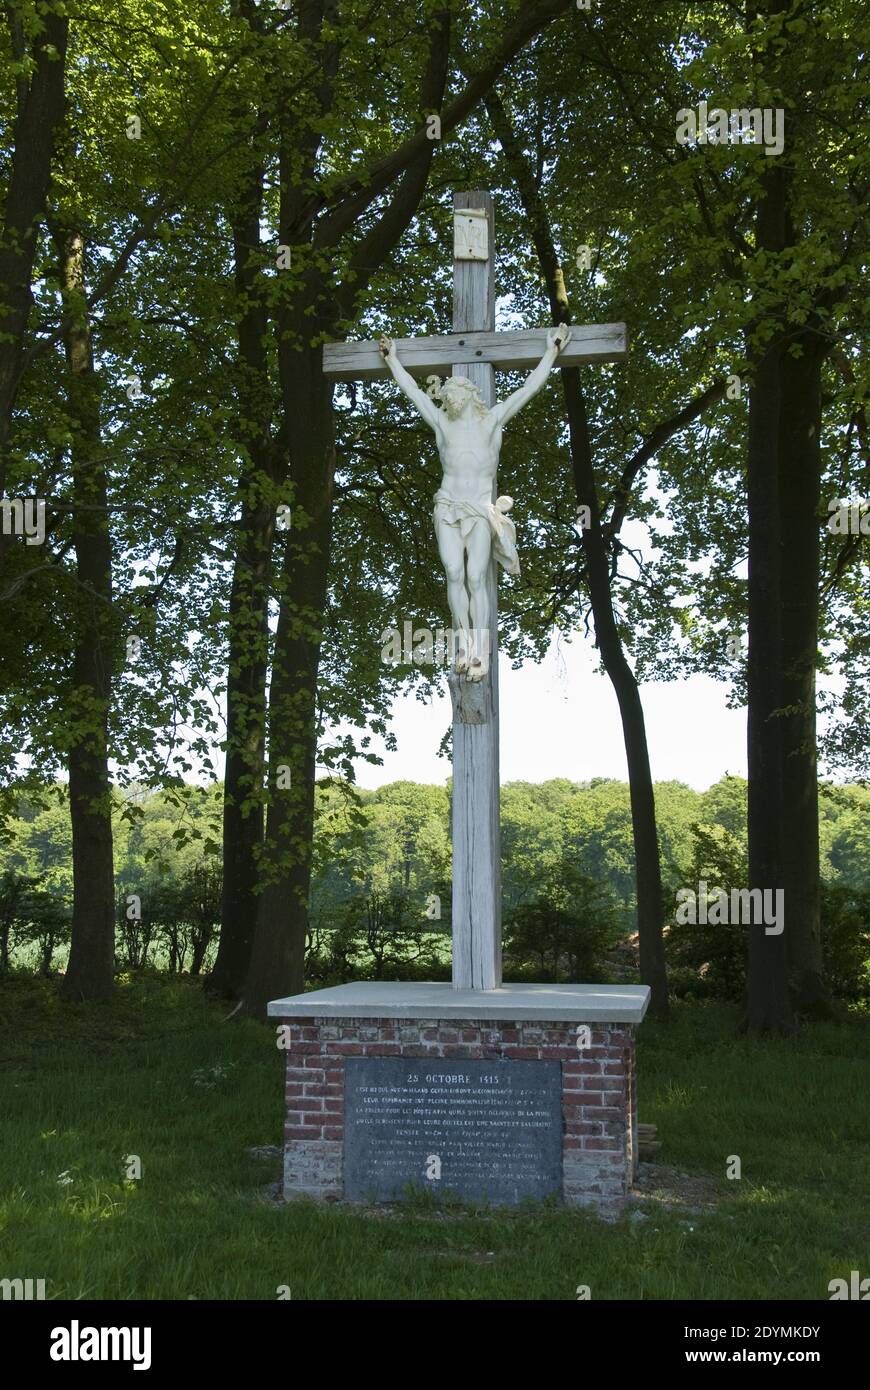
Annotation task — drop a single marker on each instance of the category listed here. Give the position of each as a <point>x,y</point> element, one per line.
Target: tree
<point>317,225</point>
<point>565,929</point>
<point>90,971</point>
<point>38,43</point>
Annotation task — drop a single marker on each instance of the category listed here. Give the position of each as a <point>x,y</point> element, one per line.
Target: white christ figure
<point>470,527</point>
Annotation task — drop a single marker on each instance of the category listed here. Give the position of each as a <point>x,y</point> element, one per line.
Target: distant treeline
<point>380,902</point>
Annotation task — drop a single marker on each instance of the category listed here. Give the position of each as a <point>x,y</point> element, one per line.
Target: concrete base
<point>390,999</point>
<point>322,1029</point>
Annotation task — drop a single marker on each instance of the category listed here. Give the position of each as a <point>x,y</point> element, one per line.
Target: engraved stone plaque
<point>480,1130</point>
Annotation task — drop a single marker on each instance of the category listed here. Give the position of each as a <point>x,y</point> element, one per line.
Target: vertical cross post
<point>475,808</point>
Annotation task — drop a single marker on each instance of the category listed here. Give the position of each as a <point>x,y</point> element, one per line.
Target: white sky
<point>561,719</point>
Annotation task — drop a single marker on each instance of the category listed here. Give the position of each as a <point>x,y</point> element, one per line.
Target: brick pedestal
<point>599,1096</point>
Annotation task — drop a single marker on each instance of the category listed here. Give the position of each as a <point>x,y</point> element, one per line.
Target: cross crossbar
<point>512,351</point>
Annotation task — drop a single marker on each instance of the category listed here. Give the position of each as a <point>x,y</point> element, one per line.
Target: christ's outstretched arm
<point>425,405</point>
<point>556,340</point>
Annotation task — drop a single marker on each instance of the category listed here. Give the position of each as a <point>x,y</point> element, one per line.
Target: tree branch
<point>351,195</point>
<point>379,241</point>
<point>658,436</point>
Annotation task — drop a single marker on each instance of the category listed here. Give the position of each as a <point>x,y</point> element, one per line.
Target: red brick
<point>333,1132</point>
<point>315,1089</point>
<point>293,1088</point>
<point>301,1132</point>
<point>333,1106</point>
<point>580,1064</point>
<point>592,1099</point>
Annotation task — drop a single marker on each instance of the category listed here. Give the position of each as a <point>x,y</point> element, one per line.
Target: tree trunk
<point>278,955</point>
<point>199,949</point>
<point>243,773</point>
<point>650,905</point>
<point>90,970</point>
<point>39,109</point>
<point>799,478</point>
<point>243,816</point>
<point>768,1003</point>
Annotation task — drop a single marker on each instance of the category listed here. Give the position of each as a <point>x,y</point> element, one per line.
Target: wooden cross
<point>475,350</point>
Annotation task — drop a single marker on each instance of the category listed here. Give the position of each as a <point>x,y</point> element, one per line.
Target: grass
<point>159,1074</point>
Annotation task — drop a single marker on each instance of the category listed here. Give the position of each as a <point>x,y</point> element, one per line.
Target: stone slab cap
<point>389,999</point>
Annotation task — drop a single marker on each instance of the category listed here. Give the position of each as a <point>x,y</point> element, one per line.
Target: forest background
<point>194,201</point>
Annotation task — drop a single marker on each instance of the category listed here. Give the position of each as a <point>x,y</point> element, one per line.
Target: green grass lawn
<point>159,1074</point>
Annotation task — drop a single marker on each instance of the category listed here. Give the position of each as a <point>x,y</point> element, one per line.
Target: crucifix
<point>474,535</point>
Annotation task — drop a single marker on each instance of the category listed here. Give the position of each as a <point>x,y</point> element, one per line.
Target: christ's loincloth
<point>464,513</point>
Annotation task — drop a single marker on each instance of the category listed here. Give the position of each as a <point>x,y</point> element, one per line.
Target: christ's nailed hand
<point>558,337</point>
<point>388,347</point>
